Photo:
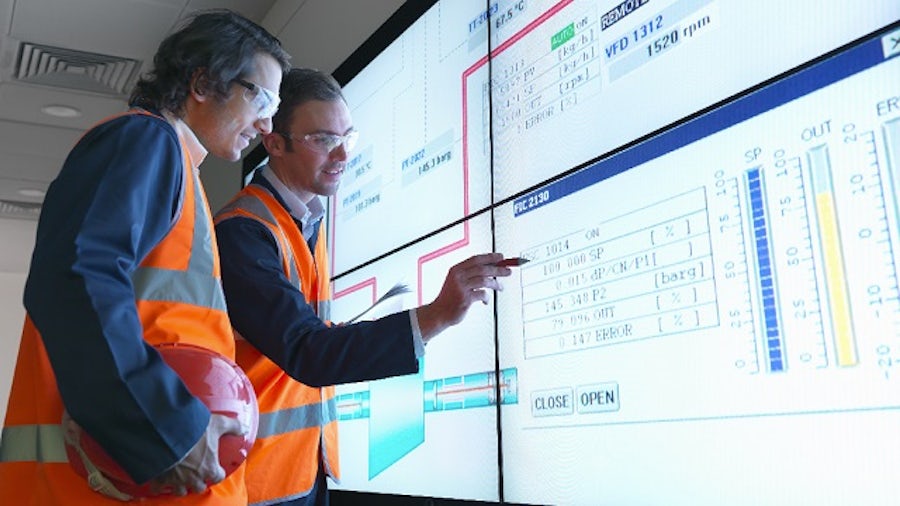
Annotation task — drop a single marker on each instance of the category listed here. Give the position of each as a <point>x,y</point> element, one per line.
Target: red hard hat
<point>214,379</point>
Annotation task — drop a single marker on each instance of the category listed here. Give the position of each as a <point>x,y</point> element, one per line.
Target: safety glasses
<point>325,143</point>
<point>265,101</point>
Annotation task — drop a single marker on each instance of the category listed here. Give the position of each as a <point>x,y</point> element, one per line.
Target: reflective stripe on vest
<point>197,285</point>
<point>33,443</point>
<point>301,417</point>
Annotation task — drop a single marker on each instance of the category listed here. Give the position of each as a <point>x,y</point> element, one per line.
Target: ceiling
<point>86,55</point>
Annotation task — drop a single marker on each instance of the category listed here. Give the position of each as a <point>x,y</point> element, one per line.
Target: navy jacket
<point>114,200</point>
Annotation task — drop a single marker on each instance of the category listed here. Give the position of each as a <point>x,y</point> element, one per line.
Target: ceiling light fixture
<point>31,192</point>
<point>61,111</point>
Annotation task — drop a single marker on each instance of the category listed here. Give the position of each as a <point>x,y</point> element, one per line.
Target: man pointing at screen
<point>275,275</point>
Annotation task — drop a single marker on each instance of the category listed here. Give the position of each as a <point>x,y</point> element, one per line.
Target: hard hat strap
<point>96,479</point>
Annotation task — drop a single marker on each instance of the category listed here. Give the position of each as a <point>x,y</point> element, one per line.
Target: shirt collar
<point>306,214</point>
<point>195,149</point>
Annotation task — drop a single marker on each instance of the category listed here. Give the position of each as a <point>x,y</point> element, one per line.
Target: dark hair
<point>221,44</point>
<point>298,86</point>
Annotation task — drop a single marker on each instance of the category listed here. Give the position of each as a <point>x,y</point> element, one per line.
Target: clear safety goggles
<point>264,100</point>
<point>325,143</point>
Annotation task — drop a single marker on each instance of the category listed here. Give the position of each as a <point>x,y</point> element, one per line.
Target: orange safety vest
<point>297,423</point>
<point>179,298</point>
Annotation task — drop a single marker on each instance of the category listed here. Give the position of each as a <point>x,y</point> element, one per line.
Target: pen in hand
<point>512,262</point>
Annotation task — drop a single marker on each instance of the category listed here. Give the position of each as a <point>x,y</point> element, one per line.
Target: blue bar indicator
<point>772,333</point>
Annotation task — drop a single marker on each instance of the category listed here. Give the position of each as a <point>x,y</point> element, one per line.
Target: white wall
<point>221,180</point>
<point>16,243</point>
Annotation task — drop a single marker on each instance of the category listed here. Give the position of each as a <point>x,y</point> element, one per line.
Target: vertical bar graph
<point>832,256</point>
<point>775,358</point>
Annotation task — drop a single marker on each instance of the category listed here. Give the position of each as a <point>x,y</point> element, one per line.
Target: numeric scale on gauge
<point>732,268</point>
<point>783,261</point>
<point>824,208</point>
<point>821,260</point>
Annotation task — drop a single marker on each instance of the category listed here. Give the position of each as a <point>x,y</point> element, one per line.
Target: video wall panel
<point>751,282</point>
<point>707,194</point>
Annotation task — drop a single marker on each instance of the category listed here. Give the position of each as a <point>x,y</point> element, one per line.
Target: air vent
<point>18,209</point>
<point>77,70</point>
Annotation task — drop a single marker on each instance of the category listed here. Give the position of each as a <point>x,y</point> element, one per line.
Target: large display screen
<point>730,328</point>
<point>708,194</point>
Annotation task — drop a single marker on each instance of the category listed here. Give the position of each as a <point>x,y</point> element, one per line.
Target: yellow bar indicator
<point>833,257</point>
